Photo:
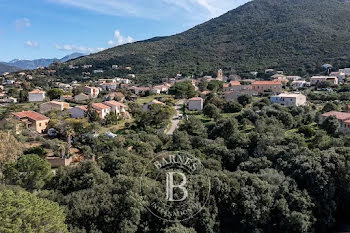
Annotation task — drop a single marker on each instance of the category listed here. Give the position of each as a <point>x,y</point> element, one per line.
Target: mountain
<point>71,57</point>
<point>33,64</point>
<point>7,68</point>
<point>293,35</point>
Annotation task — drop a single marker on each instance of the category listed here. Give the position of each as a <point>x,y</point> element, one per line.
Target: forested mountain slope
<point>294,35</point>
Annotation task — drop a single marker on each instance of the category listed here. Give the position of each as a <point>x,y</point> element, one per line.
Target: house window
<point>39,124</point>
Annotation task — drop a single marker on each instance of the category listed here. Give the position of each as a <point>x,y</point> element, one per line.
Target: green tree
<point>54,93</point>
<point>232,107</point>
<point>181,141</point>
<point>37,151</point>
<point>10,149</point>
<point>244,100</point>
<point>329,107</point>
<point>178,228</point>
<point>331,125</point>
<point>24,212</point>
<point>111,119</point>
<point>183,90</point>
<point>215,85</point>
<point>14,92</point>
<point>23,96</point>
<point>30,172</point>
<point>211,111</point>
<point>92,114</point>
<point>194,127</point>
<point>307,130</point>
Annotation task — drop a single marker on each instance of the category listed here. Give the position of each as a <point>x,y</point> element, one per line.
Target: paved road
<point>175,121</point>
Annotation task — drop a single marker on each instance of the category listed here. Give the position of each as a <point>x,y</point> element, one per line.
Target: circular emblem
<point>174,186</point>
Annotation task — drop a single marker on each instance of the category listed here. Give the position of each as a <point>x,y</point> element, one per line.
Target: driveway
<point>175,121</point>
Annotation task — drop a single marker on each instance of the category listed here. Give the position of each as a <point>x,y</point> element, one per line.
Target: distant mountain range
<point>296,36</point>
<point>7,68</point>
<point>33,64</point>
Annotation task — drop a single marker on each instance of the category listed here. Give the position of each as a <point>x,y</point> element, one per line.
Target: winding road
<point>175,121</point>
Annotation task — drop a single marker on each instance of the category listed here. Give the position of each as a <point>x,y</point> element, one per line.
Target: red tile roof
<point>196,98</point>
<point>235,83</point>
<point>275,82</point>
<point>205,92</point>
<point>156,102</point>
<point>36,91</point>
<point>82,107</point>
<point>31,115</point>
<point>114,103</point>
<point>119,94</point>
<point>338,115</point>
<point>100,106</point>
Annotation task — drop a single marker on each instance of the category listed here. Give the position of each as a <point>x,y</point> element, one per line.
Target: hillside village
<point>108,105</point>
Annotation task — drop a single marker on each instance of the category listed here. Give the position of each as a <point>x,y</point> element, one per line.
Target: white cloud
<point>22,23</point>
<point>75,48</point>
<point>157,9</point>
<point>109,7</point>
<point>119,39</point>
<point>32,44</point>
<point>207,8</point>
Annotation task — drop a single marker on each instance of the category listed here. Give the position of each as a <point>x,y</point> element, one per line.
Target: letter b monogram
<point>170,186</point>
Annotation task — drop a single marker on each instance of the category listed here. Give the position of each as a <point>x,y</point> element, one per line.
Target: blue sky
<point>31,29</point>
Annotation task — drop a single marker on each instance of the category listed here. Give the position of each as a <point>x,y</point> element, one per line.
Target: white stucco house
<point>195,104</point>
<point>116,107</point>
<point>36,96</point>
<point>289,99</point>
<point>92,92</point>
<point>102,109</point>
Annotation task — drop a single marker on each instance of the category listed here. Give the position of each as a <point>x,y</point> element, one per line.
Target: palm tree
<point>69,133</point>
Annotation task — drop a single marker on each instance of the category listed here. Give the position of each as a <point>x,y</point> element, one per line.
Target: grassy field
<point>114,128</point>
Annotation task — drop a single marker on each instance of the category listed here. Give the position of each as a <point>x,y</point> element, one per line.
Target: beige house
<point>340,75</point>
<point>146,106</point>
<point>36,96</point>
<point>33,120</point>
<point>81,97</point>
<point>289,99</point>
<point>118,108</point>
<point>160,89</point>
<point>232,86</point>
<point>112,96</point>
<point>115,106</point>
<point>66,98</point>
<point>317,79</point>
<point>262,86</point>
<point>92,92</point>
<point>102,109</point>
<point>108,86</point>
<point>53,105</point>
<point>195,104</point>
<point>233,95</point>
<point>140,90</point>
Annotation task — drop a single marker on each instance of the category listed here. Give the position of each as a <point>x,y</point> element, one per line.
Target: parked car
<point>110,135</point>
